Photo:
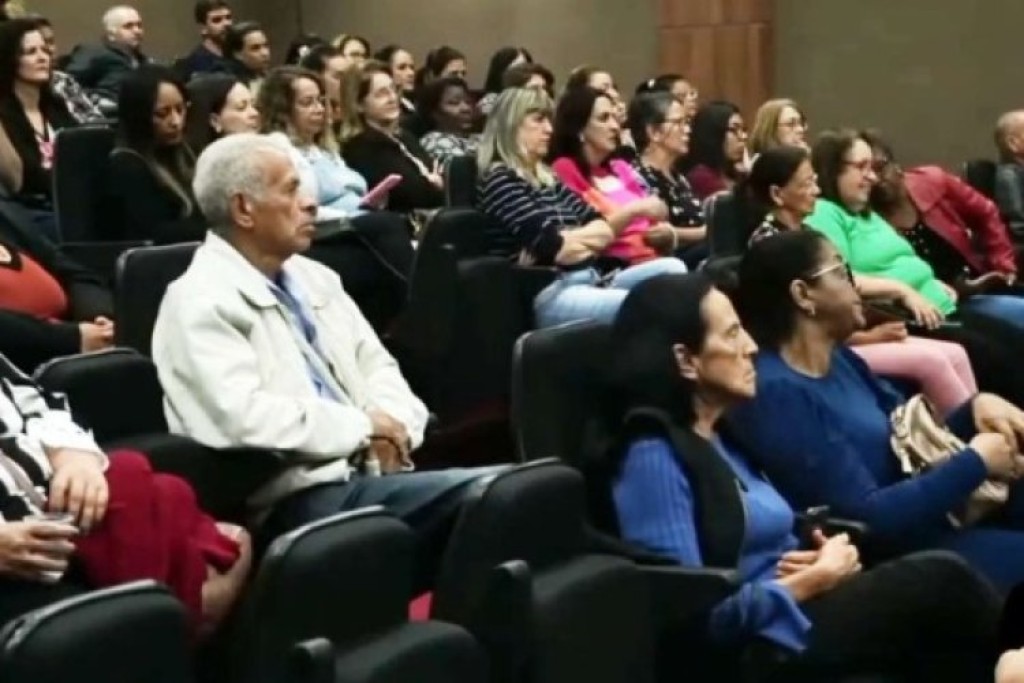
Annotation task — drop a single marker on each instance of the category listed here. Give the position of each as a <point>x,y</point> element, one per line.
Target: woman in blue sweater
<point>678,481</point>
<point>820,427</point>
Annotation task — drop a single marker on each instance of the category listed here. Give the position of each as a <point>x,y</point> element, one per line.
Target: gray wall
<point>620,36</point>
<point>933,74</point>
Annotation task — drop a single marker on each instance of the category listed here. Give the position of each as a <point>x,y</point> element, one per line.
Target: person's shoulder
<point>649,451</point>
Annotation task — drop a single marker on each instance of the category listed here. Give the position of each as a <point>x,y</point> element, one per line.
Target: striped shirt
<point>31,421</point>
<point>529,218</point>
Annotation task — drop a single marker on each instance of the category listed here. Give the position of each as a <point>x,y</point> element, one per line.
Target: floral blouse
<point>684,209</point>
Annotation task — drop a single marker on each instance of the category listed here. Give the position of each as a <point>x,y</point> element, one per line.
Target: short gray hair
<point>228,168</point>
<point>113,18</point>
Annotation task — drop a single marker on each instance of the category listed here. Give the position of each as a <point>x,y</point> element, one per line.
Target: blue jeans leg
<point>428,502</point>
<point>575,296</point>
<point>1003,306</point>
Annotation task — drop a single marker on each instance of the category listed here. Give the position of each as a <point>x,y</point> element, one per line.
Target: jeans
<point>429,502</point>
<point>1004,306</point>
<point>576,295</point>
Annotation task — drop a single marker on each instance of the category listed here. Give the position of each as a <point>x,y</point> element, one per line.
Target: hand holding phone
<point>377,197</point>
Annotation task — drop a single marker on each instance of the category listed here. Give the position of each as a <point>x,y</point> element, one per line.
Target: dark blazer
<point>148,209</point>
<point>27,340</point>
<point>375,156</point>
<point>101,68</point>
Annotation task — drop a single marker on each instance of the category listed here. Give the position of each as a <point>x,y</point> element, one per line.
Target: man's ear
<point>686,362</point>
<point>241,212</point>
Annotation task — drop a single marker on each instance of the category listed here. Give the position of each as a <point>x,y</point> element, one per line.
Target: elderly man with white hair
<point>258,346</point>
<point>101,68</point>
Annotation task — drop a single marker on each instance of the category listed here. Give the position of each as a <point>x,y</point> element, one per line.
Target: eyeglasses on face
<point>818,274</point>
<point>793,124</point>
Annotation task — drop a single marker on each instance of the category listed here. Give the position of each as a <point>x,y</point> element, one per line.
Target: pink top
<point>609,189</point>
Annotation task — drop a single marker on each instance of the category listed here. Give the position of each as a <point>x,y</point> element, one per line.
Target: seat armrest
<point>681,594</point>
<point>504,621</point>
<point>819,518</point>
<point>312,661</point>
<point>223,479</point>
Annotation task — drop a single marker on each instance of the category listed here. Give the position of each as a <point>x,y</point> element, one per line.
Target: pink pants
<point>941,369</point>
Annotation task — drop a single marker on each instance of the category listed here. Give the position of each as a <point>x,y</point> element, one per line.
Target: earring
<point>812,311</point>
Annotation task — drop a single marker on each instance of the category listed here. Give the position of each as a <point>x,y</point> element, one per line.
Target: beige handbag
<point>921,441</point>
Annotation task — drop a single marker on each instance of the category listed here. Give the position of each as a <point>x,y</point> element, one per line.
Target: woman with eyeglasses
<point>684,486</point>
<point>375,256</point>
<point>661,132</point>
<point>374,143</point>
<point>952,226</point>
<point>887,267</point>
<point>680,88</point>
<point>717,157</point>
<point>819,425</point>
<point>782,187</point>
<point>778,122</point>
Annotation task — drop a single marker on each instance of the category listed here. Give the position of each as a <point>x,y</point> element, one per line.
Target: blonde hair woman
<point>778,122</point>
<point>538,220</point>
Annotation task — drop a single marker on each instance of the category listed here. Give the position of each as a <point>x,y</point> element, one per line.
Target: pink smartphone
<point>373,197</point>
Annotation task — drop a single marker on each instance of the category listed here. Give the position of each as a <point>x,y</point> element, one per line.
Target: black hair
<point>137,99</point>
<point>430,97</point>
<point>499,64</point>
<point>207,95</point>
<point>829,158</point>
<point>580,77</point>
<point>387,53</point>
<point>435,63</point>
<point>316,57</point>
<point>767,270</point>
<point>234,40</point>
<point>518,76</point>
<point>774,167</point>
<point>662,83</point>
<point>300,46</point>
<point>571,116</point>
<point>341,41</point>
<point>647,109</point>
<point>644,372</point>
<point>204,7</point>
<point>708,131</point>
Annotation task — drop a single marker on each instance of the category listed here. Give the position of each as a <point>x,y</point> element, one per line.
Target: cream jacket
<point>234,375</point>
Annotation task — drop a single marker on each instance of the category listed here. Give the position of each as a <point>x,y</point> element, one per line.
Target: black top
<point>375,156</point>
<point>684,209</point>
<point>949,265</point>
<point>148,209</point>
<point>201,61</point>
<point>26,340</point>
<point>37,180</point>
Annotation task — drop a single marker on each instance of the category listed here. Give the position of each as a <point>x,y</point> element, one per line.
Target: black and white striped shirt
<point>529,218</point>
<point>31,423</point>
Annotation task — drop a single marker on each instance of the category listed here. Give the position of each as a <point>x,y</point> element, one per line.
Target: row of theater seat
<point>541,594</point>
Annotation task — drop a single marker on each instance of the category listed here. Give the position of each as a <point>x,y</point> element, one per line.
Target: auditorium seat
<point>460,179</point>
<point>347,580</point>
<point>981,175</point>
<point>572,615</point>
<point>132,633</point>
<point>117,394</point>
<point>80,184</point>
<point>142,277</point>
<point>454,340</point>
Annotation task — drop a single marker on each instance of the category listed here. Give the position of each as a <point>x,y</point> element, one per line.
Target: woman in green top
<point>886,266</point>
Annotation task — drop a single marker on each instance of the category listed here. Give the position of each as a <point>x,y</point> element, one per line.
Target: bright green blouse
<point>873,247</point>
